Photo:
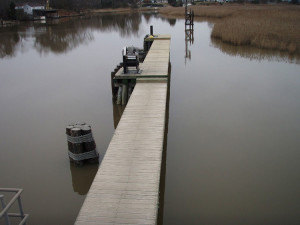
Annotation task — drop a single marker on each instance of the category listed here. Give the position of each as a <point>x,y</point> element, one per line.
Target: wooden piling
<point>77,148</point>
<point>70,146</point>
<point>119,97</point>
<point>89,146</point>
<point>81,145</point>
<point>125,92</point>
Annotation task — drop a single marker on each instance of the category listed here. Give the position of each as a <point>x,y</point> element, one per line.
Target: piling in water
<point>125,92</point>
<point>81,144</point>
<point>119,97</point>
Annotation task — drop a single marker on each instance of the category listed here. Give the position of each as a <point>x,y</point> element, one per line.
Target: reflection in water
<point>60,36</point>
<point>254,53</point>
<point>9,40</point>
<point>172,22</point>
<point>82,177</point>
<point>189,40</point>
<point>57,40</point>
<point>147,16</point>
<point>126,24</point>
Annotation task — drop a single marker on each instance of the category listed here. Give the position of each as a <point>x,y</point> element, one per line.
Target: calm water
<point>233,146</point>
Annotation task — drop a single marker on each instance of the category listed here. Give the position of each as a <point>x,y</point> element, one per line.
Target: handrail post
<point>4,212</point>
<point>3,206</point>
<point>21,208</point>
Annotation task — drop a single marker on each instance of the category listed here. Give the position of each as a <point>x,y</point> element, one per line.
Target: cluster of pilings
<point>81,144</point>
<point>121,88</point>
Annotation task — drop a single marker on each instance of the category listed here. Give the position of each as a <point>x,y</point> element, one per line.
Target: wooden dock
<point>126,187</point>
<point>156,64</point>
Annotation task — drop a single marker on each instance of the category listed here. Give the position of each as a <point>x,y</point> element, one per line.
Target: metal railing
<point>5,207</point>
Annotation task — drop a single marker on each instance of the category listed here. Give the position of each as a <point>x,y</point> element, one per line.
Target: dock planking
<point>125,189</point>
<point>156,63</point>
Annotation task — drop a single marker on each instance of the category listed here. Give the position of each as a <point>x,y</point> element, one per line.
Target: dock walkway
<point>126,188</point>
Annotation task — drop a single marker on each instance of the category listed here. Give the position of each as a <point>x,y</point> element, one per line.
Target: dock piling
<point>81,144</point>
<point>77,148</point>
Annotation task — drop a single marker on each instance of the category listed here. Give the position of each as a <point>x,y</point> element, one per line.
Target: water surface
<point>234,120</point>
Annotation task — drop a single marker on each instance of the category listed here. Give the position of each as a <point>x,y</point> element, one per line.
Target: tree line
<point>7,6</point>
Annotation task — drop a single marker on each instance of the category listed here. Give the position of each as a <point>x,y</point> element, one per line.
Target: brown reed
<point>264,26</point>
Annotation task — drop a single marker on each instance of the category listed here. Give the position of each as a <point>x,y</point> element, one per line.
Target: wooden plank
<point>156,63</point>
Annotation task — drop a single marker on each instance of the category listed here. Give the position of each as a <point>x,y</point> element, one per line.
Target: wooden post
<point>119,97</point>
<point>78,144</point>
<point>125,92</point>
<point>77,147</point>
<point>89,146</point>
<point>70,145</point>
<point>125,69</point>
<point>112,75</point>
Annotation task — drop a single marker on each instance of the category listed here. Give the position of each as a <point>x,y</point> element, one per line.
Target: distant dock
<point>126,187</point>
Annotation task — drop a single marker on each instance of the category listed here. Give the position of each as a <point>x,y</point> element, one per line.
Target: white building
<point>29,7</point>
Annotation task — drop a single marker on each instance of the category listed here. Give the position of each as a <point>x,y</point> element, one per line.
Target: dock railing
<point>5,207</point>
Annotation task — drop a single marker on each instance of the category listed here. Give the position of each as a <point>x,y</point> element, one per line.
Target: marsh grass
<point>264,26</point>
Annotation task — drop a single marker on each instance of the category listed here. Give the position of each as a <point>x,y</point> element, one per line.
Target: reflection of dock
<point>126,187</point>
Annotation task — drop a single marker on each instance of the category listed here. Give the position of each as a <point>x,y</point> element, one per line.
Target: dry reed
<point>264,26</point>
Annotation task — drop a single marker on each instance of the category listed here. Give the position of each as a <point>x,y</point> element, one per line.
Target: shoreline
<point>274,27</point>
<point>71,13</point>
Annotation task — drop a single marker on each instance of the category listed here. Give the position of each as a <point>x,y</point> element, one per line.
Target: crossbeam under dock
<point>126,187</point>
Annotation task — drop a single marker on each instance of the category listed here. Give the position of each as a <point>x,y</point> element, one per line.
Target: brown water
<point>234,120</point>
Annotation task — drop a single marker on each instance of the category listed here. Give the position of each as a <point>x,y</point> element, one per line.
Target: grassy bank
<point>264,26</point>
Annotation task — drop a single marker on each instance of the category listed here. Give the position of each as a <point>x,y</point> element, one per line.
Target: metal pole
<point>21,208</point>
<point>3,206</point>
<point>151,30</point>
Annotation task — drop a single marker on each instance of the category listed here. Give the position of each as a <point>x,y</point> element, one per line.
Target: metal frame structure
<point>5,207</point>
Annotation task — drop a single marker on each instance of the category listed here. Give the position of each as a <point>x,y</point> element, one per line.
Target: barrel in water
<point>81,144</point>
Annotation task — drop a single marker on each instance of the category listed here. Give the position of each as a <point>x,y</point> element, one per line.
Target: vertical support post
<point>89,146</point>
<point>21,208</point>
<point>3,206</point>
<point>77,147</point>
<point>70,145</point>
<point>151,30</point>
<point>119,97</point>
<point>112,75</point>
<point>125,92</point>
<point>124,64</point>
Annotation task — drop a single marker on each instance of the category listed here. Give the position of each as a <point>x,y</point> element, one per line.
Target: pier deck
<point>126,187</point>
<point>156,64</point>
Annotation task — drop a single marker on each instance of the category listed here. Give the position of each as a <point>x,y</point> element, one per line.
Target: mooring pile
<point>81,144</point>
<point>123,86</point>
